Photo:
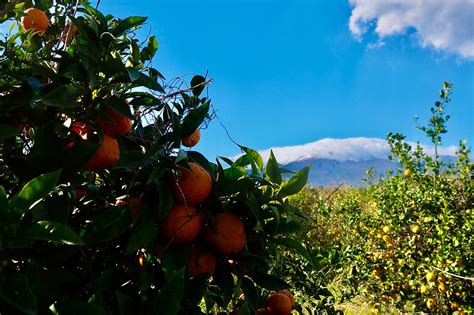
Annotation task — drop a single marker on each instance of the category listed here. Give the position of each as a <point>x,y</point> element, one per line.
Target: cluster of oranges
<point>183,224</point>
<point>114,124</point>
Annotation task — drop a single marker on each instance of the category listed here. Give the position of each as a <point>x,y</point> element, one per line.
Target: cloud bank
<point>349,149</point>
<point>444,25</point>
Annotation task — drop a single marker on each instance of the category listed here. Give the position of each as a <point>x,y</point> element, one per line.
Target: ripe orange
<point>182,224</point>
<point>35,19</point>
<point>201,262</point>
<point>228,235</point>
<point>115,124</point>
<point>192,140</point>
<point>193,186</point>
<point>278,304</point>
<point>106,156</point>
<point>133,202</point>
<point>290,296</point>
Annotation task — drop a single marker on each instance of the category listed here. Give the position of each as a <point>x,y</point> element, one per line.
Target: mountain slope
<point>336,161</point>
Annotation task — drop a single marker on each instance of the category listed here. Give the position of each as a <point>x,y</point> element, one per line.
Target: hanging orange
<point>192,140</point>
<point>35,19</point>
<point>182,224</point>
<point>201,261</point>
<point>193,186</point>
<point>106,156</point>
<point>228,234</point>
<point>278,304</point>
<point>115,123</point>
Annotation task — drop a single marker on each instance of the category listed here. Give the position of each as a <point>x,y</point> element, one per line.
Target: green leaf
<point>197,83</point>
<point>295,183</point>
<point>48,231</point>
<point>251,294</point>
<point>269,282</point>
<point>4,206</point>
<point>143,236</point>
<point>34,190</point>
<point>126,304</point>
<point>7,131</point>
<point>148,82</point>
<point>64,96</point>
<point>15,290</point>
<point>109,225</point>
<point>127,24</point>
<point>168,299</point>
<point>272,171</point>
<point>256,158</point>
<point>149,52</point>
<point>77,307</point>
<point>194,119</point>
<point>296,246</point>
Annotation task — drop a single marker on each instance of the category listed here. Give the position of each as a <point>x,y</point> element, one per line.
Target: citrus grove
<point>104,206</point>
<point>404,242</point>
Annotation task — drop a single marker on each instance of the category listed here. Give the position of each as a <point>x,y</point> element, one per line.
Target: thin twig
<point>171,95</point>
<point>452,274</point>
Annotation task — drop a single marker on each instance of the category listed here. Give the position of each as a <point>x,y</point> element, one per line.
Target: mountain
<point>337,161</point>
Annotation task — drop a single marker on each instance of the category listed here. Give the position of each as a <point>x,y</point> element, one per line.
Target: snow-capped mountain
<point>336,161</point>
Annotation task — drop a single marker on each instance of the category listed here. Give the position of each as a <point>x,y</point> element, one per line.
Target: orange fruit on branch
<point>227,236</point>
<point>192,140</point>
<point>106,156</point>
<point>115,123</point>
<point>35,19</point>
<point>182,224</point>
<point>278,304</point>
<point>290,296</point>
<point>201,262</point>
<point>193,186</point>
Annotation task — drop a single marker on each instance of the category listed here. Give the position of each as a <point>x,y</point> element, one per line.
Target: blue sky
<point>292,72</point>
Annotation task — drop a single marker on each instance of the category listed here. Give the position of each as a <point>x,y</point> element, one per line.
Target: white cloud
<point>444,25</point>
<point>349,149</point>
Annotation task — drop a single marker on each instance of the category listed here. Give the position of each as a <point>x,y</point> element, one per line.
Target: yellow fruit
<point>431,303</point>
<point>431,277</point>
<point>408,172</point>
<point>442,288</point>
<point>442,278</point>
<point>415,229</point>
<point>454,306</point>
<point>387,239</point>
<point>386,229</point>
<point>423,289</point>
<point>35,19</point>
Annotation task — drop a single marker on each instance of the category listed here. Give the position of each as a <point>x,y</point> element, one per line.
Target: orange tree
<point>95,194</point>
